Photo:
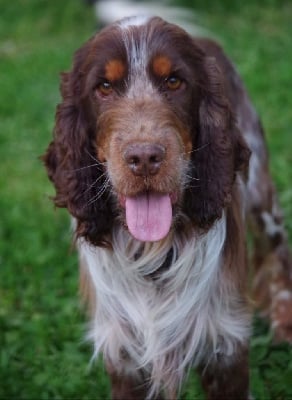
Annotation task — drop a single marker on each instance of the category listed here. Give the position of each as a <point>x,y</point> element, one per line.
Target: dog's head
<point>144,133</point>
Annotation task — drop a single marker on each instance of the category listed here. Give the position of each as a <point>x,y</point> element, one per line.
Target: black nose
<point>144,159</point>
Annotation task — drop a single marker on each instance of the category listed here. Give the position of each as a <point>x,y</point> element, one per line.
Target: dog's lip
<point>122,198</point>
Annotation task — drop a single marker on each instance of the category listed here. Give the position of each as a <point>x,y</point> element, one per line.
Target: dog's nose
<point>144,159</point>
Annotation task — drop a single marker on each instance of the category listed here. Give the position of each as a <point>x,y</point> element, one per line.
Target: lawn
<point>42,351</point>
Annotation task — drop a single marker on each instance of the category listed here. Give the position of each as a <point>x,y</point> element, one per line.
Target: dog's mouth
<point>149,214</point>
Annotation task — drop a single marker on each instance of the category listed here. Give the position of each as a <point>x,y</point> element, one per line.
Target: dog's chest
<point>161,303</point>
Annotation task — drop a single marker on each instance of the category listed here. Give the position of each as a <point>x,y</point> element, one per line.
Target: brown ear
<point>70,159</point>
<point>219,151</point>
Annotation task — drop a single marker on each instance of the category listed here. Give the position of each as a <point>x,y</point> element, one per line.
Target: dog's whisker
<point>91,156</point>
<point>192,178</point>
<point>99,194</point>
<point>99,163</point>
<point>86,167</point>
<point>94,183</point>
<point>199,148</point>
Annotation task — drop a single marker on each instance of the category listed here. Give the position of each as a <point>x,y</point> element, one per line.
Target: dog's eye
<point>104,88</point>
<point>173,82</point>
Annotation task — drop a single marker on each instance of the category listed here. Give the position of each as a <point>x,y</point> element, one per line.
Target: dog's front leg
<point>227,378</point>
<point>126,387</point>
<point>129,387</point>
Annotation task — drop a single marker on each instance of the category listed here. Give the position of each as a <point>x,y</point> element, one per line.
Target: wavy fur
<point>142,318</point>
<point>159,308</point>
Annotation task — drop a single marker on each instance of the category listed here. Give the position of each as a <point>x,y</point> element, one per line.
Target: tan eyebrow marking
<point>114,70</point>
<point>162,66</point>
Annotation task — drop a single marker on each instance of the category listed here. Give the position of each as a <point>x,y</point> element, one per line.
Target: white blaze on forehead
<point>136,42</point>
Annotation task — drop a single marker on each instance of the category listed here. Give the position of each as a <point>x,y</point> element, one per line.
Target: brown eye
<point>105,88</point>
<point>173,82</point>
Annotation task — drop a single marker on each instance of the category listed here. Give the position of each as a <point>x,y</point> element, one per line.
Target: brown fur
<point>204,124</point>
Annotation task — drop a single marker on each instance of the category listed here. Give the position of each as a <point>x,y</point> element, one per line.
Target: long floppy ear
<point>71,163</point>
<point>218,153</point>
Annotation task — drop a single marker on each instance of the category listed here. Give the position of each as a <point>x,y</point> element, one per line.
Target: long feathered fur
<point>140,319</point>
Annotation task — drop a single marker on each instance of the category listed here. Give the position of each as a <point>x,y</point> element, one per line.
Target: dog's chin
<point>149,215</point>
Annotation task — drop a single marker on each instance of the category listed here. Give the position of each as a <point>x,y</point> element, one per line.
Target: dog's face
<point>146,103</point>
<point>141,99</point>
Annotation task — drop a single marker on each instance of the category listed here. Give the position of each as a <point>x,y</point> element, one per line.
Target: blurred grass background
<point>42,353</point>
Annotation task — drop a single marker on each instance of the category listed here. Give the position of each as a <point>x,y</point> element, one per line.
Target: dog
<point>159,156</point>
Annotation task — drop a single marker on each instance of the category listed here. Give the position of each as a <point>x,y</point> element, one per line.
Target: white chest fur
<point>168,321</point>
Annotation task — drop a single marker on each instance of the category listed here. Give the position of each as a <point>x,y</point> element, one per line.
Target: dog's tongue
<point>149,216</point>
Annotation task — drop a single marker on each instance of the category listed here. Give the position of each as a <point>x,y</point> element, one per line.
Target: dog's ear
<point>78,177</point>
<point>219,151</point>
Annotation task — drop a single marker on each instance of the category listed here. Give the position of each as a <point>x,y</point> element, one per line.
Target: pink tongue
<point>149,216</point>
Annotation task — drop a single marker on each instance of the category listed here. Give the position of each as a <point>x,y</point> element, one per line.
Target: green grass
<point>42,353</point>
